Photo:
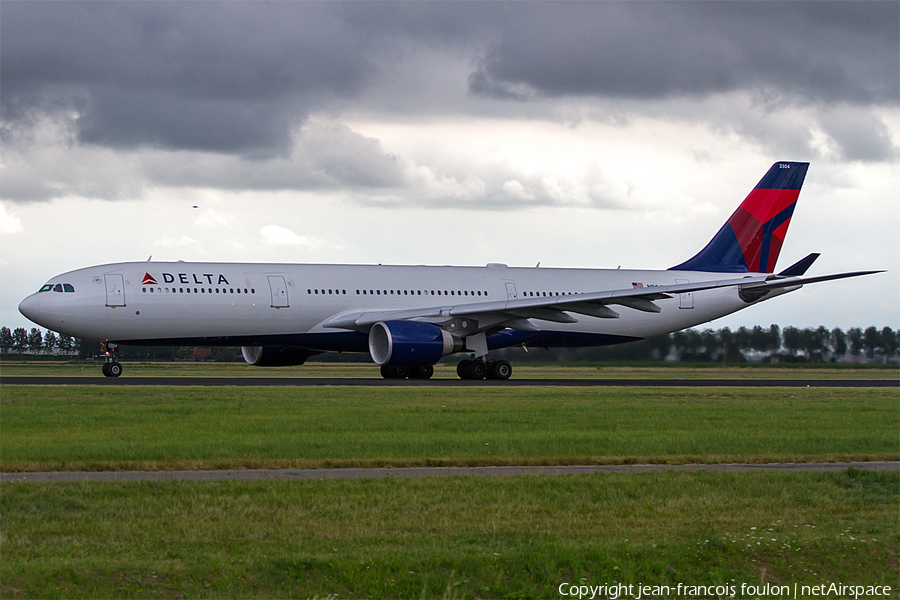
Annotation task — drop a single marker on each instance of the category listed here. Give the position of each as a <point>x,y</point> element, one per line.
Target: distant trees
<point>6,339</point>
<point>755,344</point>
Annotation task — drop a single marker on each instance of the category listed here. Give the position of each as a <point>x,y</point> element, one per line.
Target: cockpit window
<point>57,287</point>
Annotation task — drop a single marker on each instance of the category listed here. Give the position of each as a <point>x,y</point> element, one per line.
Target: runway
<point>418,472</point>
<point>515,382</point>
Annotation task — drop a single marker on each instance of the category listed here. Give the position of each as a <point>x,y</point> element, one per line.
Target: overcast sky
<point>574,134</point>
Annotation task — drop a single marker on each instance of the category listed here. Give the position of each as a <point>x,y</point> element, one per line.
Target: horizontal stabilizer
<point>800,267</point>
<point>778,283</point>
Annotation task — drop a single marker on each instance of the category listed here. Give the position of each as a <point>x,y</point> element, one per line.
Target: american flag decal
<point>636,285</point>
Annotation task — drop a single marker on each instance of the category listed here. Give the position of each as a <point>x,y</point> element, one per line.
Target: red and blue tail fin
<point>751,239</point>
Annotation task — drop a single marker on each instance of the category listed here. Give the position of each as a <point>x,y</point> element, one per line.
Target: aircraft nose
<point>31,308</point>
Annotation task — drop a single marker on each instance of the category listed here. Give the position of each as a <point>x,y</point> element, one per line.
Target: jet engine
<point>275,356</point>
<point>409,343</point>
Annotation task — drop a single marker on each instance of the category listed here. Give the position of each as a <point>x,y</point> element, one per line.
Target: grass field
<point>464,537</point>
<point>104,428</point>
<point>456,537</point>
<point>657,370</point>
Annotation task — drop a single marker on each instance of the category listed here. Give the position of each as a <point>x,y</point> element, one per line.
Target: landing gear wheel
<point>421,372</point>
<point>471,369</point>
<point>477,370</point>
<point>112,369</point>
<point>499,369</point>
<point>462,369</point>
<point>396,372</point>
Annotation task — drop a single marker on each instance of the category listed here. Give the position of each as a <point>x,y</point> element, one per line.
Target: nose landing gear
<point>111,368</point>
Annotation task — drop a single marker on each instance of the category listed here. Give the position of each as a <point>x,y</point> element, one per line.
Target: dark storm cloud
<point>225,77</point>
<point>817,52</point>
<point>239,78</point>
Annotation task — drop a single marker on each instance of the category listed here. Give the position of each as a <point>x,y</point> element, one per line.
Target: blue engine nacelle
<point>409,343</point>
<point>275,356</point>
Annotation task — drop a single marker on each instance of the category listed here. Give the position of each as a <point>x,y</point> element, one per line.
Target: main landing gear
<point>111,368</point>
<point>484,369</point>
<point>467,369</point>
<point>403,372</point>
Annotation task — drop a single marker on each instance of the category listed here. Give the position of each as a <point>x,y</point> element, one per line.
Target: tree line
<point>746,344</point>
<point>756,344</point>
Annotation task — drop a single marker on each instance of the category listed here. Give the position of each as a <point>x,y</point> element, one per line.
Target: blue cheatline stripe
<point>554,339</point>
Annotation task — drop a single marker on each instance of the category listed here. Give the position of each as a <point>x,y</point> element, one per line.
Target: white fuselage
<point>149,303</point>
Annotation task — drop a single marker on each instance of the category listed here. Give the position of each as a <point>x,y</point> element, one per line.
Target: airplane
<point>407,318</point>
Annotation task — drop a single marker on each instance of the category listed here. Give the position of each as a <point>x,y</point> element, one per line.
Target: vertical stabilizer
<point>751,239</point>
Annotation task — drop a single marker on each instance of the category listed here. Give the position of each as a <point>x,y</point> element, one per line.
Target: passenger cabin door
<point>115,290</point>
<point>511,291</point>
<point>278,287</point>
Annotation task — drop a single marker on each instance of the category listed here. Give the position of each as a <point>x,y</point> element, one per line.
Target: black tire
<point>421,372</point>
<point>388,372</point>
<point>489,374</point>
<point>105,370</point>
<point>477,370</point>
<point>113,369</point>
<point>501,369</point>
<point>462,369</point>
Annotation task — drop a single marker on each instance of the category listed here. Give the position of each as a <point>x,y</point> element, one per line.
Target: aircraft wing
<point>470,318</point>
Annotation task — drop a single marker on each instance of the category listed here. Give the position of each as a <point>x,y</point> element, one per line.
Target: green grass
<point>447,537</point>
<point>549,370</point>
<point>462,537</point>
<point>103,428</point>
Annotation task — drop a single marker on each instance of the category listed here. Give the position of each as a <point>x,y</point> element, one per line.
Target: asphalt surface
<point>416,472</point>
<point>306,381</point>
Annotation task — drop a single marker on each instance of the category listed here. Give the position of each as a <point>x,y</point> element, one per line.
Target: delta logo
<point>188,278</point>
